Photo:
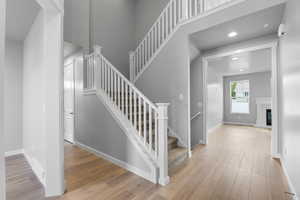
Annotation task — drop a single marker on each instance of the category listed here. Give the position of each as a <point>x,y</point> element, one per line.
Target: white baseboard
<point>36,168</point>
<point>120,163</point>
<point>238,123</point>
<point>13,153</point>
<point>291,186</point>
<point>261,126</point>
<point>214,128</point>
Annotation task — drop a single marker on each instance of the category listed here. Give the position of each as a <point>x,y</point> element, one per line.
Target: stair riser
<point>172,145</point>
<point>179,160</point>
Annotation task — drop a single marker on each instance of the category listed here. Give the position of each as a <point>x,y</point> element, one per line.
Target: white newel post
<point>185,10</point>
<point>86,70</point>
<point>98,49</point>
<point>202,6</point>
<point>164,178</point>
<point>131,66</point>
<point>98,52</point>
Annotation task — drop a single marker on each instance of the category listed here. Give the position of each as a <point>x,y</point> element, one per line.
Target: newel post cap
<point>131,53</point>
<point>97,49</point>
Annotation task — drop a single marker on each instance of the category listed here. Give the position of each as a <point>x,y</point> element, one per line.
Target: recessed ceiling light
<point>234,58</point>
<point>241,70</point>
<point>266,25</point>
<point>232,34</point>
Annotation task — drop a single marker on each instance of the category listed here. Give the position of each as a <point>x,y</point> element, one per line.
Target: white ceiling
<point>20,16</point>
<point>249,62</point>
<point>247,27</point>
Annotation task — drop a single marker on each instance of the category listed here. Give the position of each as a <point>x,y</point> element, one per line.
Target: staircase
<point>144,122</point>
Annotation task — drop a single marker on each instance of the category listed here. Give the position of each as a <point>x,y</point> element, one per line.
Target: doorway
<point>272,46</point>
<point>69,101</point>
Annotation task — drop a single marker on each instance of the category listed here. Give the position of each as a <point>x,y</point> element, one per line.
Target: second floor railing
<point>175,12</point>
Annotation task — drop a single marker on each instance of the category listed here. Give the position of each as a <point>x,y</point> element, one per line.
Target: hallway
<point>236,164</point>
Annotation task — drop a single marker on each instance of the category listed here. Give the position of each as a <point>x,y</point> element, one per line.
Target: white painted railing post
<point>163,143</point>
<point>98,49</point>
<point>185,10</point>
<point>131,66</point>
<point>202,6</point>
<point>96,68</point>
<point>86,70</point>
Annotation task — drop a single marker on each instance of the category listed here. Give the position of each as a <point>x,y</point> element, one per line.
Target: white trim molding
<point>238,123</point>
<point>146,175</point>
<point>291,186</point>
<point>215,128</point>
<point>14,152</point>
<point>37,168</point>
<point>127,129</point>
<point>264,45</point>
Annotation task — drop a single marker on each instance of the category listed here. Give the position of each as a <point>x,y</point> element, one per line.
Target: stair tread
<point>175,153</point>
<point>171,139</point>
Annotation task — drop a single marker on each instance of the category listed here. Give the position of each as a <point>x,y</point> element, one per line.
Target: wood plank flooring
<point>235,165</point>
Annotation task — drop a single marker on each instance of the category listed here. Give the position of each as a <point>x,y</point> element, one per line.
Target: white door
<point>69,96</point>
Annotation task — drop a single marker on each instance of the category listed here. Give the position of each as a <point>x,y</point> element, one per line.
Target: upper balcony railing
<point>176,12</point>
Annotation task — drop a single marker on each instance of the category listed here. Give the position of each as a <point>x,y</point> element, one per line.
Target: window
<point>239,94</point>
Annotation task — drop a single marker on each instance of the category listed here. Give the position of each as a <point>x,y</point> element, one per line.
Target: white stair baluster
<point>155,135</point>
<point>150,129</point>
<point>134,110</point>
<point>144,122</point>
<point>122,96</point>
<point>130,104</point>
<point>115,88</point>
<point>119,92</point>
<point>126,100</point>
<point>140,116</point>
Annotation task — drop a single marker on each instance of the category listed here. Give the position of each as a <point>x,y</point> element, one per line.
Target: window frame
<point>239,113</point>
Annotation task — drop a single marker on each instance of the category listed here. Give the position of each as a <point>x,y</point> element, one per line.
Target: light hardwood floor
<point>235,165</point>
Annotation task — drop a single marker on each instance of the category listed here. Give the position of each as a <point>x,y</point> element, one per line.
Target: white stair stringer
<point>131,134</point>
<point>144,123</point>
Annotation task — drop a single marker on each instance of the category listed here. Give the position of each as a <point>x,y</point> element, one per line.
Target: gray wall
<point>147,13</point>
<point>289,96</point>
<point>196,100</point>
<point>167,80</point>
<point>76,22</point>
<point>112,27</point>
<point>33,93</point>
<point>13,95</point>
<point>96,128</point>
<point>260,86</point>
<point>214,96</point>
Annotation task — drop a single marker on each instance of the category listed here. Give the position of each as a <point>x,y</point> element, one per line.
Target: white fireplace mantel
<point>262,104</point>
